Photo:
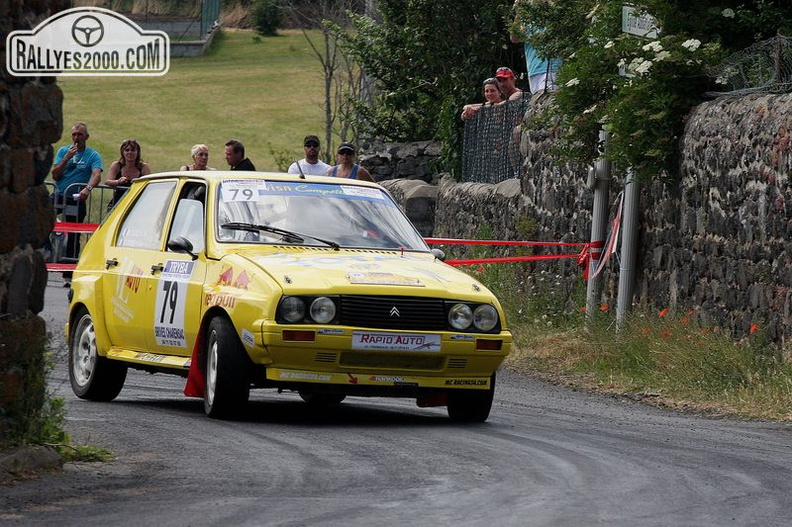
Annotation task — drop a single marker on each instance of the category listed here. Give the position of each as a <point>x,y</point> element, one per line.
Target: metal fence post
<point>628,249</point>
<point>599,182</point>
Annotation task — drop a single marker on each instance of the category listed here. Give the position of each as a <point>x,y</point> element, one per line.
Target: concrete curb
<point>27,460</point>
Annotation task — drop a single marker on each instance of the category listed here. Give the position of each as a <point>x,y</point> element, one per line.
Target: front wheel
<point>471,406</point>
<point>92,376</point>
<point>227,367</point>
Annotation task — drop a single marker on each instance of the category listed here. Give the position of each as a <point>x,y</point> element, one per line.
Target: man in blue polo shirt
<point>75,163</point>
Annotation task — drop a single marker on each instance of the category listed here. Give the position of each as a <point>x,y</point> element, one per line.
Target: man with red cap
<point>508,83</point>
<point>508,87</point>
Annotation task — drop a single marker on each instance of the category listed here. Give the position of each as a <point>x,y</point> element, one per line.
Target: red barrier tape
<point>70,227</point>
<point>61,267</point>
<point>452,241</point>
<point>511,259</point>
<point>67,226</point>
<point>583,257</point>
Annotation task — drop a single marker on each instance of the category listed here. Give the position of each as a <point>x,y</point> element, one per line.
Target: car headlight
<point>485,317</point>
<point>323,310</point>
<point>460,316</point>
<point>292,309</point>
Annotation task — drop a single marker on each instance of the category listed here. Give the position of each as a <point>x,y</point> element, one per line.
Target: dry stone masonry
<point>717,243</point>
<point>30,121</point>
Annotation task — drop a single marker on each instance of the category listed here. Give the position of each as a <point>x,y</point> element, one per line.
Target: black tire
<point>321,398</point>
<point>226,366</point>
<point>471,406</point>
<point>92,376</point>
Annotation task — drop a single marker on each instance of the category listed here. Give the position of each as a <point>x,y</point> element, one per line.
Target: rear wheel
<point>227,366</point>
<point>471,406</point>
<point>92,376</point>
<point>321,398</point>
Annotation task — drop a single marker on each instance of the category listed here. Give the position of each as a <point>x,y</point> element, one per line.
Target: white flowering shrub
<point>641,89</point>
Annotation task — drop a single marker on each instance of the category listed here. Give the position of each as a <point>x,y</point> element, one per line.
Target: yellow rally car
<point>255,280</point>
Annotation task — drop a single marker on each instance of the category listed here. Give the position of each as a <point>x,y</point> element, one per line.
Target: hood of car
<point>360,271</point>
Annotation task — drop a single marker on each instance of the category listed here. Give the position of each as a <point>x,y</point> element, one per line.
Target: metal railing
<point>66,207</point>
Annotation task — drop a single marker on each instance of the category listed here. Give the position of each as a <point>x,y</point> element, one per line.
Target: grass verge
<point>660,358</point>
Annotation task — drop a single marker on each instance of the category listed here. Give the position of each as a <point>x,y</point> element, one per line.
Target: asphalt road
<point>547,456</point>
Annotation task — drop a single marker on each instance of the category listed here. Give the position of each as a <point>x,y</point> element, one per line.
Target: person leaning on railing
<point>127,167</point>
<point>75,164</point>
<point>492,95</point>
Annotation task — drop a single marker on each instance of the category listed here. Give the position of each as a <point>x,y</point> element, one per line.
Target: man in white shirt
<point>311,164</point>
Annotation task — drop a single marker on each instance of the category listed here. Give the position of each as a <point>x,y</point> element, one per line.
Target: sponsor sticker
<point>370,340</point>
<point>362,192</point>
<point>248,339</point>
<point>242,190</point>
<point>87,41</point>
<point>171,303</point>
<point>383,279</point>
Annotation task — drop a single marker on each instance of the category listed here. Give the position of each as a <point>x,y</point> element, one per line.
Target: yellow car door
<point>177,278</point>
<point>129,267</point>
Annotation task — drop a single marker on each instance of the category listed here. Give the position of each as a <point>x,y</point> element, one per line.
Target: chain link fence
<point>491,143</point>
<point>765,66</point>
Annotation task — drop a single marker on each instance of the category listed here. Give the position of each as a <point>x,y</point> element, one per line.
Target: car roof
<point>214,176</point>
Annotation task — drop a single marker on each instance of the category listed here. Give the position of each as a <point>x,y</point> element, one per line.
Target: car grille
<point>393,312</point>
<point>391,361</point>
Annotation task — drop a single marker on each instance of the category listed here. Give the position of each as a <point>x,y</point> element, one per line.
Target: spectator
<point>508,83</point>
<point>200,155</point>
<point>129,166</point>
<point>541,72</point>
<point>310,164</point>
<point>492,95</point>
<point>75,165</point>
<point>346,166</point>
<point>235,156</point>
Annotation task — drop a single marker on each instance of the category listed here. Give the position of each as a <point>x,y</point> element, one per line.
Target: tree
<point>341,75</point>
<point>426,59</point>
<point>641,88</point>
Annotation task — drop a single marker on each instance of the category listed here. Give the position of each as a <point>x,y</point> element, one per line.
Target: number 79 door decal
<point>171,303</point>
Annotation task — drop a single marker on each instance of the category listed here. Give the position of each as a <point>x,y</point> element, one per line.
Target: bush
<point>641,89</point>
<point>267,15</point>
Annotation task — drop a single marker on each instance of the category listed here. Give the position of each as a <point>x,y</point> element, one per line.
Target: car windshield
<point>322,214</point>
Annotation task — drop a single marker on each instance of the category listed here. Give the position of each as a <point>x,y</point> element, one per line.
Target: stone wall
<point>401,160</point>
<point>718,244</point>
<point>30,121</point>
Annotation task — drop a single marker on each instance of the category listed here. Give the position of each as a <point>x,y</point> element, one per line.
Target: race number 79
<point>170,301</point>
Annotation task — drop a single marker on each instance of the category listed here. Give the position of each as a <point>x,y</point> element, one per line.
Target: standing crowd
<point>77,169</point>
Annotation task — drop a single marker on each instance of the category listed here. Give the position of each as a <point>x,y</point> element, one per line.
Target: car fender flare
<point>97,311</point>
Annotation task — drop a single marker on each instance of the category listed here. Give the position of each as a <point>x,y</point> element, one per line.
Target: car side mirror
<point>180,244</point>
<point>440,255</point>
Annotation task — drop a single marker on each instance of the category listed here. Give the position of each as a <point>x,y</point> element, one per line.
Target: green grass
<point>264,91</point>
<point>666,359</point>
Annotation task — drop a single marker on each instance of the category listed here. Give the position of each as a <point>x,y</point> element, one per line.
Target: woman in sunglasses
<point>346,166</point>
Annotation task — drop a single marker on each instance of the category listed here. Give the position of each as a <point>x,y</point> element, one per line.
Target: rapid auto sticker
<point>171,303</point>
<point>372,340</point>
